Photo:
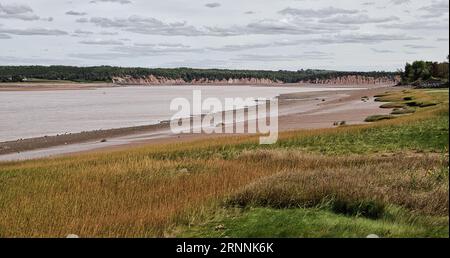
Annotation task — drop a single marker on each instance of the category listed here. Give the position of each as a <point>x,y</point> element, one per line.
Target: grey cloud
<point>4,36</point>
<point>151,49</point>
<point>295,27</point>
<point>212,5</point>
<point>336,39</point>
<point>98,56</point>
<point>108,33</point>
<point>232,48</point>
<point>373,38</point>
<point>360,19</point>
<point>113,1</point>
<point>36,61</point>
<point>319,13</point>
<point>257,29</point>
<point>275,27</point>
<point>312,55</point>
<point>263,27</point>
<point>435,9</point>
<point>382,51</point>
<point>418,46</point>
<point>144,44</point>
<point>418,25</point>
<point>104,42</point>
<point>160,46</point>
<point>82,20</point>
<point>139,50</point>
<point>34,31</point>
<point>152,26</point>
<point>75,13</point>
<point>83,32</point>
<point>306,25</point>
<point>202,63</point>
<point>358,39</point>
<point>242,47</point>
<point>149,26</point>
<point>399,2</point>
<point>14,11</point>
<point>173,45</point>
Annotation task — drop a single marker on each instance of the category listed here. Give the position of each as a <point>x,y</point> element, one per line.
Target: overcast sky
<point>245,34</point>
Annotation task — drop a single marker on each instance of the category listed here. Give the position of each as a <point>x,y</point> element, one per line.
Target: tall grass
<point>350,184</point>
<point>117,198</point>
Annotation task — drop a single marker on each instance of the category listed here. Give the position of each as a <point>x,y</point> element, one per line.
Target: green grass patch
<point>392,105</point>
<point>403,111</point>
<point>413,98</point>
<point>266,222</point>
<point>367,209</point>
<point>381,95</point>
<point>389,98</point>
<point>431,134</point>
<point>421,103</point>
<point>375,118</point>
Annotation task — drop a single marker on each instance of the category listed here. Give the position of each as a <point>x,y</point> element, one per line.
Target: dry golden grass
<point>117,198</point>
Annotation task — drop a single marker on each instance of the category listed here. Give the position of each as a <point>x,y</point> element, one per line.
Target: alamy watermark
<point>233,116</point>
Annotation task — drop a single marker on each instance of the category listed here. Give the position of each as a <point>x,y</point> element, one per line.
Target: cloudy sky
<point>249,34</point>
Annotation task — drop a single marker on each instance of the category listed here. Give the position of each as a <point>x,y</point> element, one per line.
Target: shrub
<point>421,104</point>
<point>403,111</point>
<point>413,104</point>
<point>375,118</point>
<point>427,104</point>
<point>381,95</point>
<point>368,209</point>
<point>392,105</point>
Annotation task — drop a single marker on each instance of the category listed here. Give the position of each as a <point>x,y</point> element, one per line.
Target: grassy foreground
<point>389,178</point>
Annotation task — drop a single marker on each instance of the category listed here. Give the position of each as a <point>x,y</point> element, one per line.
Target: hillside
<point>123,75</point>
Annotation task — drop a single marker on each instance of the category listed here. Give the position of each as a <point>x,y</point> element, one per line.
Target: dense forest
<point>106,73</point>
<point>425,73</point>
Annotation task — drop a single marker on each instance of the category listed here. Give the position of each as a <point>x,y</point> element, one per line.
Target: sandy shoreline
<point>297,111</point>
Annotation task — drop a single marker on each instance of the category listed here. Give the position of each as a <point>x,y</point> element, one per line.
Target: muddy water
<point>26,114</point>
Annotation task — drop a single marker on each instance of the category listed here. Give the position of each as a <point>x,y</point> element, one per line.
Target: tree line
<point>420,72</point>
<point>106,73</point>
